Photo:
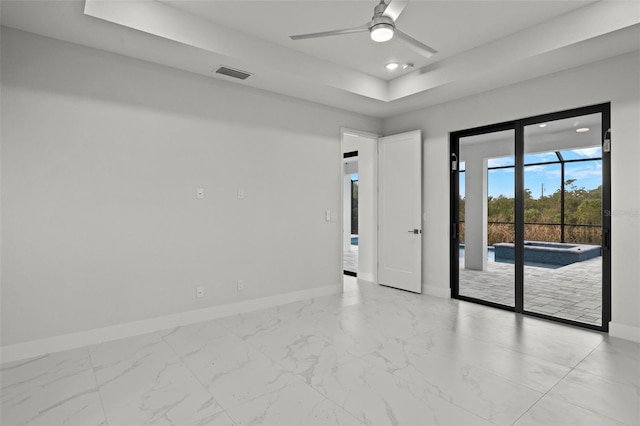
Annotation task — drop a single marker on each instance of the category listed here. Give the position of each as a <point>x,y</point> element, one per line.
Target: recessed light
<point>407,67</point>
<point>392,66</point>
<point>582,129</point>
<point>543,125</point>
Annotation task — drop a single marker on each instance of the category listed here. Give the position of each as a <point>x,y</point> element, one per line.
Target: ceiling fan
<point>382,27</point>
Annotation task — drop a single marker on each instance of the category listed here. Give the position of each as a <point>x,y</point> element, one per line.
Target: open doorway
<point>350,214</point>
<point>359,169</point>
<point>389,169</point>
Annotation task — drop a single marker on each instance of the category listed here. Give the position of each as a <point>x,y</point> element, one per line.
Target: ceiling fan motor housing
<point>379,9</point>
<point>382,20</point>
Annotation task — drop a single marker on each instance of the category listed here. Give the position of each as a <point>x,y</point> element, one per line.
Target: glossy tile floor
<point>373,356</point>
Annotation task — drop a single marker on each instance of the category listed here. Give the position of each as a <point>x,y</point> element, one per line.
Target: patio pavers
<point>571,292</point>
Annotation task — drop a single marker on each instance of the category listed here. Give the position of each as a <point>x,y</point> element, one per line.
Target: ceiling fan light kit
<point>381,33</point>
<point>382,27</point>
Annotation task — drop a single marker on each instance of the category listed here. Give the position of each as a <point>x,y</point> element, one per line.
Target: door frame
<point>373,238</point>
<point>518,126</point>
<point>454,207</point>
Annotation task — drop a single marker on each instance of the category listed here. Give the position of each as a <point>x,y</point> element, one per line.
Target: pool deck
<point>571,292</point>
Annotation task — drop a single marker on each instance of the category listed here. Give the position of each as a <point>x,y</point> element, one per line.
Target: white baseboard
<point>624,331</point>
<point>437,291</point>
<point>80,339</point>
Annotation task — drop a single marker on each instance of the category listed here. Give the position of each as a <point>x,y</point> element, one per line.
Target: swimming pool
<point>551,253</point>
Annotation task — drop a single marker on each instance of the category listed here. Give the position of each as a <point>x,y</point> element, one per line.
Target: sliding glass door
<point>529,231</point>
<point>486,207</point>
<point>563,198</point>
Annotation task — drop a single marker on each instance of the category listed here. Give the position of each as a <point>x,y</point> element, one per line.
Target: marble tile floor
<point>571,292</point>
<point>370,356</point>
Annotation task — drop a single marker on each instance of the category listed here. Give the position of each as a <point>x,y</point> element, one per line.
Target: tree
<point>582,207</point>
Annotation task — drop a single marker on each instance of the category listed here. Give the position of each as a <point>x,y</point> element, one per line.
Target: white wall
<point>615,80</point>
<point>101,158</point>
<point>367,147</point>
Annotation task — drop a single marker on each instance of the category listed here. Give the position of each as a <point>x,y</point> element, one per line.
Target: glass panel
<point>583,202</point>
<point>582,153</point>
<point>501,161</point>
<point>544,157</point>
<point>486,213</point>
<point>563,223</point>
<point>542,202</point>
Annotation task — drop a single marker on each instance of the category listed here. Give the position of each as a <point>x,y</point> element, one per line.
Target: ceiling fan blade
<point>361,28</point>
<point>414,44</point>
<point>394,8</point>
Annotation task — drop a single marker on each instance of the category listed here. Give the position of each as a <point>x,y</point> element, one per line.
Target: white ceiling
<point>429,21</point>
<point>482,44</point>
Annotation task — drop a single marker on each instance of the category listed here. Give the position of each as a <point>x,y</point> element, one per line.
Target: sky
<point>539,178</point>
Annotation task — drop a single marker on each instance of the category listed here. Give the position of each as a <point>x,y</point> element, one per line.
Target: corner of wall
<point>436,291</point>
<point>623,331</point>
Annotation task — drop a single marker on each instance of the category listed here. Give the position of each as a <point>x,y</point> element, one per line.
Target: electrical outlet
<point>199,292</point>
<point>240,193</point>
<point>240,285</point>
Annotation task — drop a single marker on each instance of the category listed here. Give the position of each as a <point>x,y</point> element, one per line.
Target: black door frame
<point>518,127</point>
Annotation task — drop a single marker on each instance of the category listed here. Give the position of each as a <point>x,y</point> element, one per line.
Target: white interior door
<point>400,211</point>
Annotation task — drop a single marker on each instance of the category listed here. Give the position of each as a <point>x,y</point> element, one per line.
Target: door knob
<point>415,231</point>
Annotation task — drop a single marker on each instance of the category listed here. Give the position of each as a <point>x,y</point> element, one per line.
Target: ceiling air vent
<point>231,72</point>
